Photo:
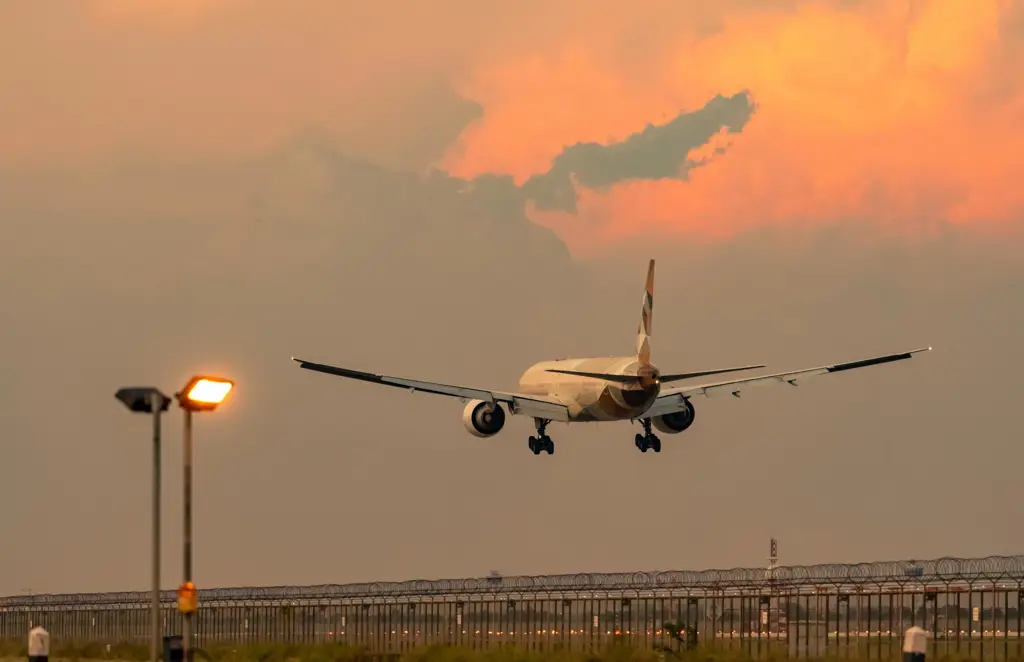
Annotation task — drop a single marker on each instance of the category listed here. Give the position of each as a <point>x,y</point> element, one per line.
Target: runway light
<point>204,393</point>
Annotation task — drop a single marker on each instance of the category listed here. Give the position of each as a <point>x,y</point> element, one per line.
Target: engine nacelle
<point>483,419</point>
<point>676,421</point>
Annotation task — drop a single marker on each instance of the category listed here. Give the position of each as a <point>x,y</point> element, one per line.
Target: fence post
<point>915,645</point>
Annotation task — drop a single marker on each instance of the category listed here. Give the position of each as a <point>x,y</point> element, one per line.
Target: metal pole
<point>154,645</point>
<point>187,621</point>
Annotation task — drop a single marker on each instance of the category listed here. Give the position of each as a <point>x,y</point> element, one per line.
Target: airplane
<point>599,389</point>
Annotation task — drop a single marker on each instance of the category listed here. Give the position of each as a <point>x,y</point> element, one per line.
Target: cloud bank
<point>898,115</point>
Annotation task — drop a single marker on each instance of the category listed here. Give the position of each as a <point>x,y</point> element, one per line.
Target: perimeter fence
<point>969,607</point>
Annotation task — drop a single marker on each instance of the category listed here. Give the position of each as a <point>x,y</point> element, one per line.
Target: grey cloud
<point>408,127</point>
<point>657,152</point>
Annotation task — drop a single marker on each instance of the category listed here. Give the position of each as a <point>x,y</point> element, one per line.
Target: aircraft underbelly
<point>604,405</point>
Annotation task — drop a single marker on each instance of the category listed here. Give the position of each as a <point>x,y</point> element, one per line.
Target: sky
<point>456,192</point>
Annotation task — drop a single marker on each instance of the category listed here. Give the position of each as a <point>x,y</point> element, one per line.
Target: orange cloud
<point>900,113</point>
<point>885,113</point>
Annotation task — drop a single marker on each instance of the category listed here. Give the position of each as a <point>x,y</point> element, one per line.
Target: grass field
<point>11,652</point>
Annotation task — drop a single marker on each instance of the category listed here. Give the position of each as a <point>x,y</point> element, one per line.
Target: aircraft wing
<point>526,405</point>
<point>675,399</point>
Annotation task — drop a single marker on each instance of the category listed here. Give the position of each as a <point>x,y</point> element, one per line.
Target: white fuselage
<point>590,398</point>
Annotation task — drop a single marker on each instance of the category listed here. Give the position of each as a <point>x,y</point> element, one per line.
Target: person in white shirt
<point>38,644</point>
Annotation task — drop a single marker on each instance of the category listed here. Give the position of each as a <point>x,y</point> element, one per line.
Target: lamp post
<point>149,400</point>
<point>201,393</point>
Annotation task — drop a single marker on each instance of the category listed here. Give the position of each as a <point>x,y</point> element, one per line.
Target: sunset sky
<point>901,114</point>
<point>454,189</point>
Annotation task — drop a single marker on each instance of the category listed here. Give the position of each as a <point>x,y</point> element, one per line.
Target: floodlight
<point>204,393</point>
<point>140,399</point>
<point>201,393</point>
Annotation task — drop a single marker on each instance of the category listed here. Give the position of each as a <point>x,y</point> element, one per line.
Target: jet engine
<point>483,419</point>
<point>676,421</point>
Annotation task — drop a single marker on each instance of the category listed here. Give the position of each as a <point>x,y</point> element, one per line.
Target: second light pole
<point>149,400</point>
<point>201,393</point>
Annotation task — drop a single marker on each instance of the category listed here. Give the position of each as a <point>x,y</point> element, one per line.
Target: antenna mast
<point>770,603</point>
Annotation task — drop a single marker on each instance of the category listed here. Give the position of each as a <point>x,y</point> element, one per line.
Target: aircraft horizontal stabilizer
<point>688,375</point>
<point>622,379</point>
<point>628,379</point>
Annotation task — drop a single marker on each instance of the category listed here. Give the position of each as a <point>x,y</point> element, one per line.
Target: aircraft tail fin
<point>643,334</point>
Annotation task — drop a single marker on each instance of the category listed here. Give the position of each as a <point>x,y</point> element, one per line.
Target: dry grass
<point>13,652</point>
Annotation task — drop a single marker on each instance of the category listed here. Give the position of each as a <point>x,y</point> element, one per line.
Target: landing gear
<point>648,439</point>
<point>542,442</point>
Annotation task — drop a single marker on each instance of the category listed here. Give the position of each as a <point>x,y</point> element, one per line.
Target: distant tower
<point>771,614</point>
<point>773,563</point>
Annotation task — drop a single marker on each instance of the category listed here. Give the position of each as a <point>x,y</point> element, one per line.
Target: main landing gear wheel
<point>648,439</point>
<point>542,442</point>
